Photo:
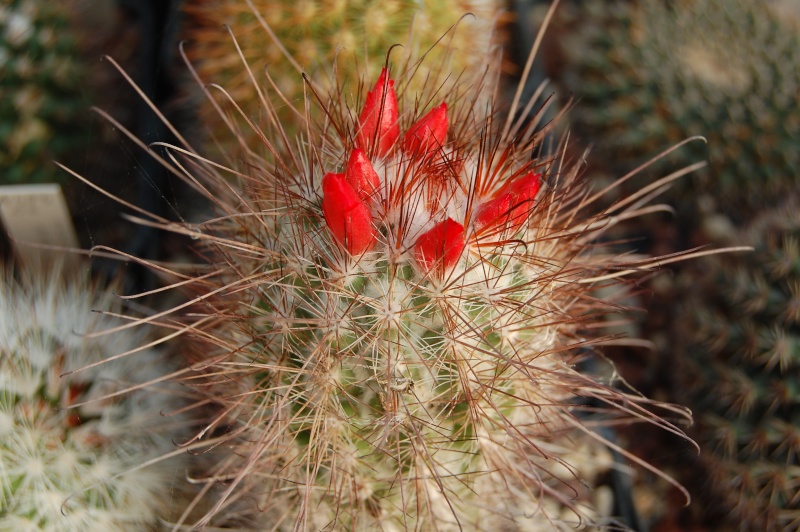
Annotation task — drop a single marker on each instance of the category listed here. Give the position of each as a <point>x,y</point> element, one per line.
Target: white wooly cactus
<point>392,315</point>
<point>78,469</point>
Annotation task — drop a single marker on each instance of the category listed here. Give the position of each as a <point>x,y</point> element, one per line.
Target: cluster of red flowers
<point>349,197</point>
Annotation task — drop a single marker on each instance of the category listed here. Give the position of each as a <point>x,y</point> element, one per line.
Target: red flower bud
<point>347,216</point>
<point>361,175</point>
<point>493,212</point>
<point>511,205</point>
<point>439,248</point>
<point>428,133</point>
<point>377,124</point>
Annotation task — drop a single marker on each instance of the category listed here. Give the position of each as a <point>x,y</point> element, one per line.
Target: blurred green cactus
<point>319,34</point>
<point>39,94</point>
<point>742,361</point>
<point>652,73</point>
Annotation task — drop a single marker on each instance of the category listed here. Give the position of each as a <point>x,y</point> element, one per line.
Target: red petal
<point>378,119</point>
<point>361,175</point>
<point>347,216</point>
<point>428,133</point>
<point>440,248</point>
<point>511,205</point>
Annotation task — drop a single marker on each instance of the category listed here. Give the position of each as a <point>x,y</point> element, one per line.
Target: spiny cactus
<point>71,448</point>
<point>743,329</point>
<point>39,94</point>
<point>651,72</point>
<point>319,33</point>
<point>392,313</point>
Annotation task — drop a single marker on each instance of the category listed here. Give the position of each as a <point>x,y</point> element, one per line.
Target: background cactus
<point>652,73</point>
<point>320,33</point>
<point>656,71</point>
<point>740,358</point>
<point>39,94</point>
<point>76,469</point>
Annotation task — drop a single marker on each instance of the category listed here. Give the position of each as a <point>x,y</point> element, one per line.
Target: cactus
<point>39,95</point>
<point>71,448</point>
<point>392,314</point>
<point>652,73</point>
<point>317,34</point>
<point>744,351</point>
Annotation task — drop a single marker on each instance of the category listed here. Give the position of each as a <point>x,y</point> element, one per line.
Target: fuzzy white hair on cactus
<point>393,310</point>
<point>72,447</point>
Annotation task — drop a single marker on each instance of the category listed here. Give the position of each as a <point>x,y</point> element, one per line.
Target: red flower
<point>346,214</point>
<point>428,133</point>
<point>511,204</point>
<point>440,248</point>
<point>360,174</point>
<point>378,129</point>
